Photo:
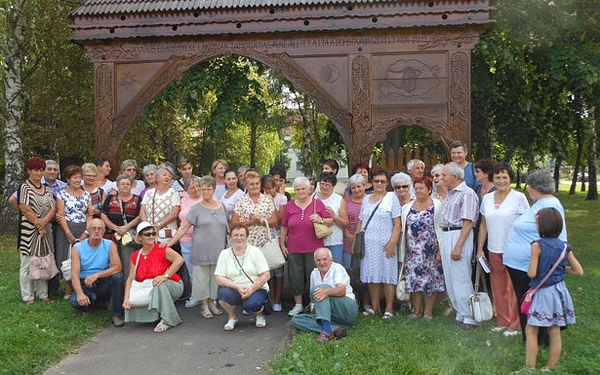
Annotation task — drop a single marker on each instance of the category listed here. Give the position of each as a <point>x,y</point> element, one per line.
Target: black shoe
<point>466,326</point>
<point>340,333</point>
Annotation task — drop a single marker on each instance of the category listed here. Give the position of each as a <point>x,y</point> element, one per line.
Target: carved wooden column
<point>106,146</point>
<point>459,99</point>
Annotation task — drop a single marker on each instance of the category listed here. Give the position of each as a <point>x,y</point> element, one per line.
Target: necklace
<point>34,185</point>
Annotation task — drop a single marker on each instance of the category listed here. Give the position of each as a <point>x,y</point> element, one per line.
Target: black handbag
<point>359,238</point>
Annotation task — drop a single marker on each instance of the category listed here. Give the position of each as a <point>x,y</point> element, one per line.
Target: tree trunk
<point>593,188</point>
<point>579,137</point>
<point>307,164</point>
<point>13,95</point>
<point>557,172</point>
<point>253,141</point>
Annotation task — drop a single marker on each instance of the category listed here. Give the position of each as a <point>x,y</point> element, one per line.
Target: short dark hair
<point>328,177</point>
<point>503,166</point>
<point>278,170</point>
<point>358,166</point>
<point>550,222</point>
<point>71,170</point>
<point>457,144</point>
<point>487,167</point>
<point>239,226</point>
<point>332,164</point>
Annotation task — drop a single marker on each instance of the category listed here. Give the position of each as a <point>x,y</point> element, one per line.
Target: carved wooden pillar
<point>106,146</point>
<point>360,140</point>
<point>459,99</point>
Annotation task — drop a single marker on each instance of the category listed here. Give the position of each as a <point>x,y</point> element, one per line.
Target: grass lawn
<point>33,338</point>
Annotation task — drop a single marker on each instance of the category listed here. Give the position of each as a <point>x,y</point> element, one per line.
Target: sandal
<point>230,325</point>
<point>261,321</point>
<point>161,326</point>
<point>30,302</point>
<point>414,316</point>
<point>212,306</point>
<point>368,310</point>
<point>387,315</point>
<point>206,314</point>
<point>427,317</point>
<point>48,300</point>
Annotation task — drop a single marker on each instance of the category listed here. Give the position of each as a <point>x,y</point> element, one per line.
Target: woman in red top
<point>297,238</point>
<point>159,263</point>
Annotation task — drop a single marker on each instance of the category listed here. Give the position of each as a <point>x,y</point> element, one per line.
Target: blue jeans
<point>338,252</point>
<point>104,289</point>
<point>251,304</point>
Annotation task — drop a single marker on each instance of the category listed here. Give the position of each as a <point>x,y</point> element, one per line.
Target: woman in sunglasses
<point>159,263</point>
<point>402,184</point>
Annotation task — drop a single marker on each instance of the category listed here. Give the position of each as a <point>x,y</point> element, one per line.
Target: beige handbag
<point>321,230</point>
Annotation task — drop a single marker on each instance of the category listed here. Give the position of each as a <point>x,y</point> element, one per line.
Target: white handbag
<point>272,251</point>
<point>65,266</point>
<point>481,305</point>
<point>401,286</point>
<point>139,293</point>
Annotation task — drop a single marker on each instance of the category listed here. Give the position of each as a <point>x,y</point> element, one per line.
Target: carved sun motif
<point>128,80</point>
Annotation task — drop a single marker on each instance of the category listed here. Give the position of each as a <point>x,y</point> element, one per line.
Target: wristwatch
<point>166,275</point>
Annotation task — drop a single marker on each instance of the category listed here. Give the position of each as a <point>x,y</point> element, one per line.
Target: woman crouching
<point>160,263</point>
<point>242,274</point>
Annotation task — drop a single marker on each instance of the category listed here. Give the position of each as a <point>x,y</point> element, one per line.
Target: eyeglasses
<point>149,234</point>
<point>380,181</point>
<point>398,187</point>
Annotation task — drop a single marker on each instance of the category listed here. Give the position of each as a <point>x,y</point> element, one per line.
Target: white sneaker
<point>192,303</point>
<point>277,307</point>
<point>296,310</point>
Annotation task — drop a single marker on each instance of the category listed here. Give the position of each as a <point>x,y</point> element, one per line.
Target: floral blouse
<point>264,209</point>
<point>75,207</point>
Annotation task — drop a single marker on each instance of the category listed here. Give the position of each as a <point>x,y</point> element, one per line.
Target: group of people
<point>428,230</point>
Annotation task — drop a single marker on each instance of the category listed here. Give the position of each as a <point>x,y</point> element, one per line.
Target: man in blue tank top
<point>96,273</point>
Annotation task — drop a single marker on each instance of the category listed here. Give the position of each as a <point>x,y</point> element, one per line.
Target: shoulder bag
<point>321,230</point>
<point>42,265</point>
<point>528,296</point>
<point>139,293</point>
<point>359,238</point>
<point>65,266</point>
<point>129,235</point>
<point>481,305</point>
<point>272,251</point>
<point>401,286</point>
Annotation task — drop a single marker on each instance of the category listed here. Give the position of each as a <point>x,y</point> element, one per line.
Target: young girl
<point>552,306</point>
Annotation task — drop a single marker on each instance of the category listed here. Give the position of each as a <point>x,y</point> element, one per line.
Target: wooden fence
<point>395,161</point>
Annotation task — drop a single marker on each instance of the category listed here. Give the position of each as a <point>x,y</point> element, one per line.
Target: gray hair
<point>454,169</point>
<point>128,163</point>
<point>400,177</point>
<point>301,181</point>
<point>208,180</point>
<point>123,176</point>
<point>437,167</point>
<point>188,181</point>
<point>50,161</point>
<point>164,168</point>
<point>411,163</point>
<point>149,168</point>
<point>323,248</point>
<point>357,179</point>
<point>541,180</point>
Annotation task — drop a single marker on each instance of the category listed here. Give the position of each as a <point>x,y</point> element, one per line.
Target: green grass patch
<point>440,347</point>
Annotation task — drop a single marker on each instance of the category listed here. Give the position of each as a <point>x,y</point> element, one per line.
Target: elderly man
<point>415,168</point>
<point>334,304</point>
<point>458,216</point>
<point>458,154</point>
<point>96,273</point>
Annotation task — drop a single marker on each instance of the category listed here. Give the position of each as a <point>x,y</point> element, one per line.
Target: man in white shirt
<point>335,306</point>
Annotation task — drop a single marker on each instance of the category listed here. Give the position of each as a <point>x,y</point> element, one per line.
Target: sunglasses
<point>149,234</point>
<point>398,187</point>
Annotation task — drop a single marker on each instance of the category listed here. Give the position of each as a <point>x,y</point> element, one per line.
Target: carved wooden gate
<point>371,66</point>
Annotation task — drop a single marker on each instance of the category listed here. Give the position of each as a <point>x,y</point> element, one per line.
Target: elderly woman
<point>129,167</point>
<point>517,247</point>
<point>499,209</point>
<point>420,249</point>
<point>149,173</point>
<point>218,169</point>
<point>364,170</point>
<point>120,214</point>
<point>402,185</point>
<point>379,267</point>
<point>253,209</point>
<point>440,191</point>
<point>73,210</point>
<point>233,192</point>
<point>159,263</point>
<point>333,205</point>
<point>90,174</point>
<point>36,204</point>
<point>192,196</point>
<point>298,240</point>
<point>208,239</point>
<point>161,205</point>
<point>242,273</point>
<point>102,181</point>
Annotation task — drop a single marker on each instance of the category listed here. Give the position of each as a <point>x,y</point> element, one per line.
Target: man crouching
<point>335,307</point>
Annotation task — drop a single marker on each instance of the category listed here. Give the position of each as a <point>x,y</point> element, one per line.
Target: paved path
<point>197,346</point>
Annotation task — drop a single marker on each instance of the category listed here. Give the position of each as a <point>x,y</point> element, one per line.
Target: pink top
<point>186,204</point>
<point>301,236</point>
<point>353,210</point>
<point>154,265</point>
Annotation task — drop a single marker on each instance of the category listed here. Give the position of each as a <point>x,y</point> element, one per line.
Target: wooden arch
<point>371,66</point>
